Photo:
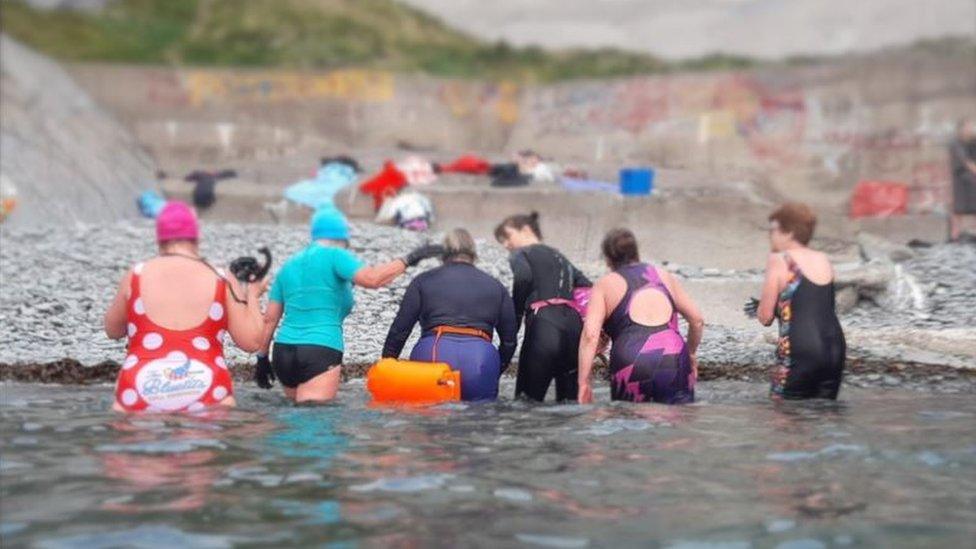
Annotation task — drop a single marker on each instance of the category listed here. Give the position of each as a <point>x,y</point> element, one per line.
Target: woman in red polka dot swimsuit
<point>176,312</point>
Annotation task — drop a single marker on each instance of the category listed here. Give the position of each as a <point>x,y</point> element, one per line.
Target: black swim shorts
<point>297,364</point>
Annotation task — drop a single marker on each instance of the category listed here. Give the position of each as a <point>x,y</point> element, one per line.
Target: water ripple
<point>827,451</point>
<point>404,484</point>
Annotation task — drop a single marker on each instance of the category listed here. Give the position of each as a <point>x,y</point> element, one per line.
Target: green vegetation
<point>301,33</point>
<point>381,34</point>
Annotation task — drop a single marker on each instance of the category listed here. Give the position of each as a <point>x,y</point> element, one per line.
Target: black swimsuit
<point>812,350</point>
<point>543,284</point>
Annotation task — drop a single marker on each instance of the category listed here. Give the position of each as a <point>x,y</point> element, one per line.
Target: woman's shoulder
<point>428,274</point>
<point>177,263</point>
<point>486,277</point>
<point>808,255</point>
<point>821,261</point>
<point>325,254</point>
<point>662,271</point>
<point>820,256</point>
<point>610,279</point>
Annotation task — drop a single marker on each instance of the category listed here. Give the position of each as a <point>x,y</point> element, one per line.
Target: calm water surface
<point>884,468</point>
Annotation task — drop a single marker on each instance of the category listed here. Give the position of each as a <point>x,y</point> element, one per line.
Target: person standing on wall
<point>962,165</point>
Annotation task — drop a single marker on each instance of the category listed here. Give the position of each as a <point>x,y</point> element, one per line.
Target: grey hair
<point>458,244</point>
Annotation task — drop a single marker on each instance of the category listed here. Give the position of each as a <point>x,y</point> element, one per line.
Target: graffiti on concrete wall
<point>200,88</point>
<point>464,100</point>
<point>165,89</point>
<point>771,122</point>
<point>196,88</point>
<point>778,125</point>
<point>912,156</point>
<point>778,122</point>
<point>204,87</point>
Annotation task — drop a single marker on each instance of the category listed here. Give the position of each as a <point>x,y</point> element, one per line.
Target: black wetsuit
<point>812,350</point>
<point>963,180</point>
<point>550,347</point>
<point>458,295</point>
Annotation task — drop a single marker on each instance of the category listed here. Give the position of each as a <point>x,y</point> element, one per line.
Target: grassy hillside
<point>331,33</point>
<point>304,33</point>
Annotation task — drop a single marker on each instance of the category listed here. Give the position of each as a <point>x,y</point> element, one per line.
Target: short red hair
<point>796,218</point>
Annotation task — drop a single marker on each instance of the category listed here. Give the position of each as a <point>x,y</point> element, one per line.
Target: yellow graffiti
<point>457,98</point>
<point>464,99</point>
<point>715,125</point>
<point>508,103</point>
<point>203,86</point>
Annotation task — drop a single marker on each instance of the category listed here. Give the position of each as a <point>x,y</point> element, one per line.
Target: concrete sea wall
<point>810,132</point>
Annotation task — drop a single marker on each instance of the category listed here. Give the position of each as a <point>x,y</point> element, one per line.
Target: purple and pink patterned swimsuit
<point>647,363</point>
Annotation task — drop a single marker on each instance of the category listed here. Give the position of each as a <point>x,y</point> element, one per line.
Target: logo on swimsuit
<point>178,374</point>
<point>173,382</point>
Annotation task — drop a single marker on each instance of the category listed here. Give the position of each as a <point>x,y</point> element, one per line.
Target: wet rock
<point>876,248</point>
<point>846,299</point>
<point>868,278</point>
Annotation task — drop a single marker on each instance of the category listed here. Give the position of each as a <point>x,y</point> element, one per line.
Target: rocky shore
<point>56,283</point>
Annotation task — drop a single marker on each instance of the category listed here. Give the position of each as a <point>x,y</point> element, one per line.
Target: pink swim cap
<point>176,221</point>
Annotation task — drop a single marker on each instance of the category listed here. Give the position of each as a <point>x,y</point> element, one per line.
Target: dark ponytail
<point>517,222</point>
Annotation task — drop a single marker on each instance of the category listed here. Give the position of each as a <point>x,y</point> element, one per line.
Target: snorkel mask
<point>247,268</point>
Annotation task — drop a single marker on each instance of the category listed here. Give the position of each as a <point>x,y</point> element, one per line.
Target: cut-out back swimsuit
<point>647,363</point>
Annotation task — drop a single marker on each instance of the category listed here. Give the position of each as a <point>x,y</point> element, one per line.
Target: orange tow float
<point>392,381</point>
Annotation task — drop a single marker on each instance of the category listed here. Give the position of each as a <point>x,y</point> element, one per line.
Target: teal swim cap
<point>329,223</point>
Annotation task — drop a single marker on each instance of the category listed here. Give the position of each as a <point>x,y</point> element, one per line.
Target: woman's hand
<point>585,394</point>
<point>751,307</point>
<point>694,366</point>
<point>264,374</point>
<point>421,253</point>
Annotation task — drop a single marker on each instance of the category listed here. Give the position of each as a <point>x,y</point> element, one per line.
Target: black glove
<point>751,308</point>
<point>263,373</point>
<point>426,251</point>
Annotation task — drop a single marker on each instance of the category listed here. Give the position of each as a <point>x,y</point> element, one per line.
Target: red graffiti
<point>930,186</point>
<point>931,174</point>
<point>634,106</point>
<point>165,89</point>
<point>771,122</point>
<point>886,140</point>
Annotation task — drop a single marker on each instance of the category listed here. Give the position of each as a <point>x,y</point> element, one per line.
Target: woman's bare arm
<point>590,340</point>
<point>377,276</point>
<point>766,312</point>
<point>272,316</point>
<point>116,315</point>
<point>245,323</point>
<point>688,309</point>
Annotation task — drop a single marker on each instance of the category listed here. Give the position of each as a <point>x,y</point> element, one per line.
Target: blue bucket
<point>636,181</point>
